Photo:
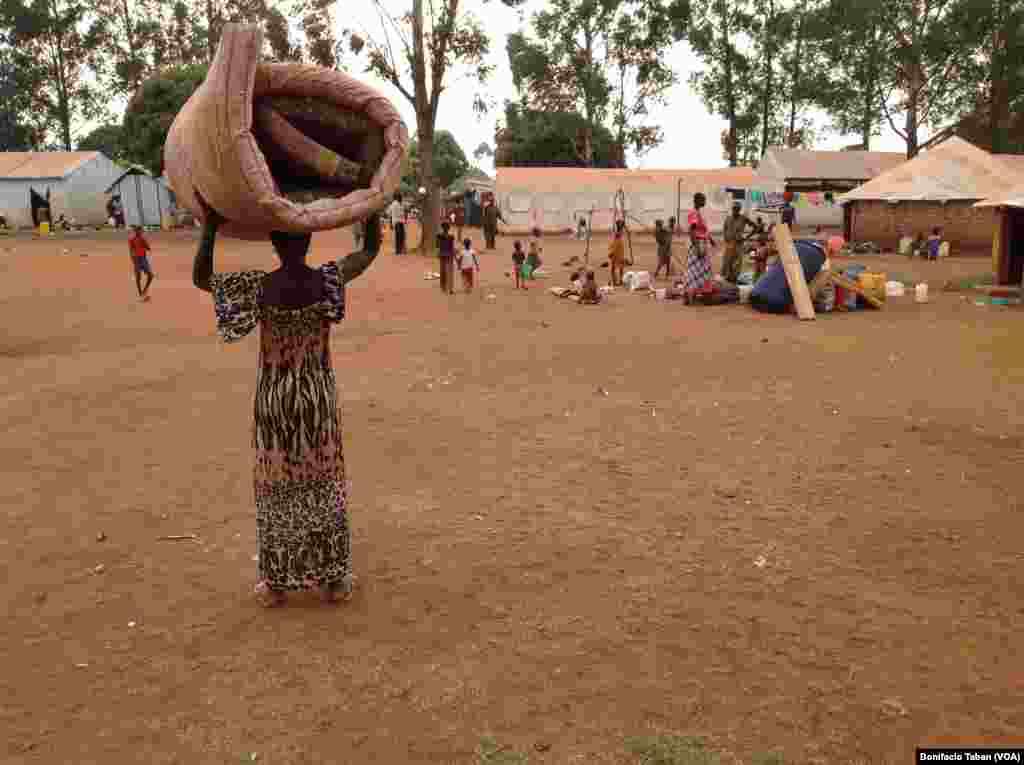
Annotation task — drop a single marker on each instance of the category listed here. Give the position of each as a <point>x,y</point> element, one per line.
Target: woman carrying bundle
<point>301,497</point>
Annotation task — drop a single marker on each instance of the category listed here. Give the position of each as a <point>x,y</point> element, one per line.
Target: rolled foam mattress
<point>282,147</point>
<point>771,294</point>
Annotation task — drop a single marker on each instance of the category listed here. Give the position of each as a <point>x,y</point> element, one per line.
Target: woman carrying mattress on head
<point>301,501</point>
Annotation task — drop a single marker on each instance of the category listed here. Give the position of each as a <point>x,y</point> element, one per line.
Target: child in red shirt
<point>138,247</point>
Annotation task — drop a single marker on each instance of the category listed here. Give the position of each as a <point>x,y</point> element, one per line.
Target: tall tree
<point>804,73</point>
<point>64,39</point>
<point>108,139</point>
<point>929,44</point>
<point>417,54</point>
<point>724,83</point>
<point>852,45</point>
<point>449,161</point>
<point>151,111</point>
<point>16,85</point>
<point>994,91</point>
<point>768,29</point>
<point>533,138</point>
<point>132,33</point>
<point>602,59</point>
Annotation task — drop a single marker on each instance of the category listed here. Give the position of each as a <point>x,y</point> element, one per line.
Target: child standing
<point>468,264</point>
<point>138,247</point>
<point>533,261</point>
<point>519,264</point>
<point>934,242</point>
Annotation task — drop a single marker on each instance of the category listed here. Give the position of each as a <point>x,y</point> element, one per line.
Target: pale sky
<point>692,134</point>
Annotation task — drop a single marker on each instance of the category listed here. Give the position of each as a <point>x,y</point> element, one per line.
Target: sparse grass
<point>671,750</point>
<point>769,758</point>
<point>491,753</point>
<point>970,282</point>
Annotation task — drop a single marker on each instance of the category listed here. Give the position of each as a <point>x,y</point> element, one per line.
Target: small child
<point>589,294</point>
<point>138,247</point>
<point>919,247</point>
<point>533,261</point>
<point>519,264</point>
<point>934,242</point>
<point>581,229</point>
<point>468,263</point>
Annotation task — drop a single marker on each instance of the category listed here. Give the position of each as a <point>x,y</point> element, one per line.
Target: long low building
<point>937,188</point>
<point>555,199</point>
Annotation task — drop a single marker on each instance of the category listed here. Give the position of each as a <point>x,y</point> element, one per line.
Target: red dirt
<point>537,561</point>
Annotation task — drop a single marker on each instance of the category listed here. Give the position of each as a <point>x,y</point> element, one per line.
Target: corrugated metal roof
<point>583,179</point>
<point>953,170</point>
<point>41,164</point>
<point>830,165</point>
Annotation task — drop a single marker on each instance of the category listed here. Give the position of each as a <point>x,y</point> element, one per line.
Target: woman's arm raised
<point>202,266</point>
<point>353,265</point>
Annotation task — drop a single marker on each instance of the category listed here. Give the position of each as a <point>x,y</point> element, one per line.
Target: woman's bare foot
<point>269,597</point>
<point>339,592</point>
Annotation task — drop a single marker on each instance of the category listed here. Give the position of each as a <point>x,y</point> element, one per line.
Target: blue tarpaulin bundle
<point>771,293</point>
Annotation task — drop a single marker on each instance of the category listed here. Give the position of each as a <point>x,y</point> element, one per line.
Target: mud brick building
<point>937,188</point>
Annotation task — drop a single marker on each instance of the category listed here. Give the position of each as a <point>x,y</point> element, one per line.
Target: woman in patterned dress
<point>698,265</point>
<point>301,515</point>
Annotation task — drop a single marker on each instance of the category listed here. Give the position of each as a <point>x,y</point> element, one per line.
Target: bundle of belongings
<point>771,294</point>
<point>715,291</point>
<point>282,147</point>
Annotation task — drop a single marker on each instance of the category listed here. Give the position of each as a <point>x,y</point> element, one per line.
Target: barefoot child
<point>468,264</point>
<point>589,294</point>
<point>138,247</point>
<point>519,264</point>
<point>533,261</point>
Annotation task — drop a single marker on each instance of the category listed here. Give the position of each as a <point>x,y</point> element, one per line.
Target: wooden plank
<point>794,272</point>
<point>819,283</point>
<point>851,286</point>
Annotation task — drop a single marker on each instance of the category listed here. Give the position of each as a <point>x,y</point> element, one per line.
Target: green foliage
<point>108,139</point>
<point>60,42</point>
<point>534,138</point>
<point>602,60</point>
<point>769,758</point>
<point>16,132</point>
<point>449,163</point>
<point>151,112</point>
<point>490,753</point>
<point>671,750</point>
<point>724,84</point>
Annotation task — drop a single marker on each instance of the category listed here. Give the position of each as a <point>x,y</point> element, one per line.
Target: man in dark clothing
<point>491,217</point>
<point>734,235</point>
<point>663,237</point>
<point>446,258</point>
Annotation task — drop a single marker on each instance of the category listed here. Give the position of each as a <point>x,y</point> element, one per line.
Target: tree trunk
<point>730,92</point>
<point>426,110</point>
<point>794,86</point>
<point>768,31</point>
<point>588,131</point>
<point>999,85</point>
<point>911,125</point>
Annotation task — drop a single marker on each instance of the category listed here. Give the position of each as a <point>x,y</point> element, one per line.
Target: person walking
<point>446,258</point>
<point>491,216</point>
<point>299,479</point>
<point>396,211</point>
<point>734,234</point>
<point>617,254</point>
<point>138,247</point>
<point>698,264</point>
<point>468,264</point>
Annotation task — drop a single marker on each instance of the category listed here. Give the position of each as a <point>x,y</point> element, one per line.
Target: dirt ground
<point>800,537</point>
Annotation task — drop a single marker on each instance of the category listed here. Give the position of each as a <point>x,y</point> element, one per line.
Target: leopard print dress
<point>301,514</point>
